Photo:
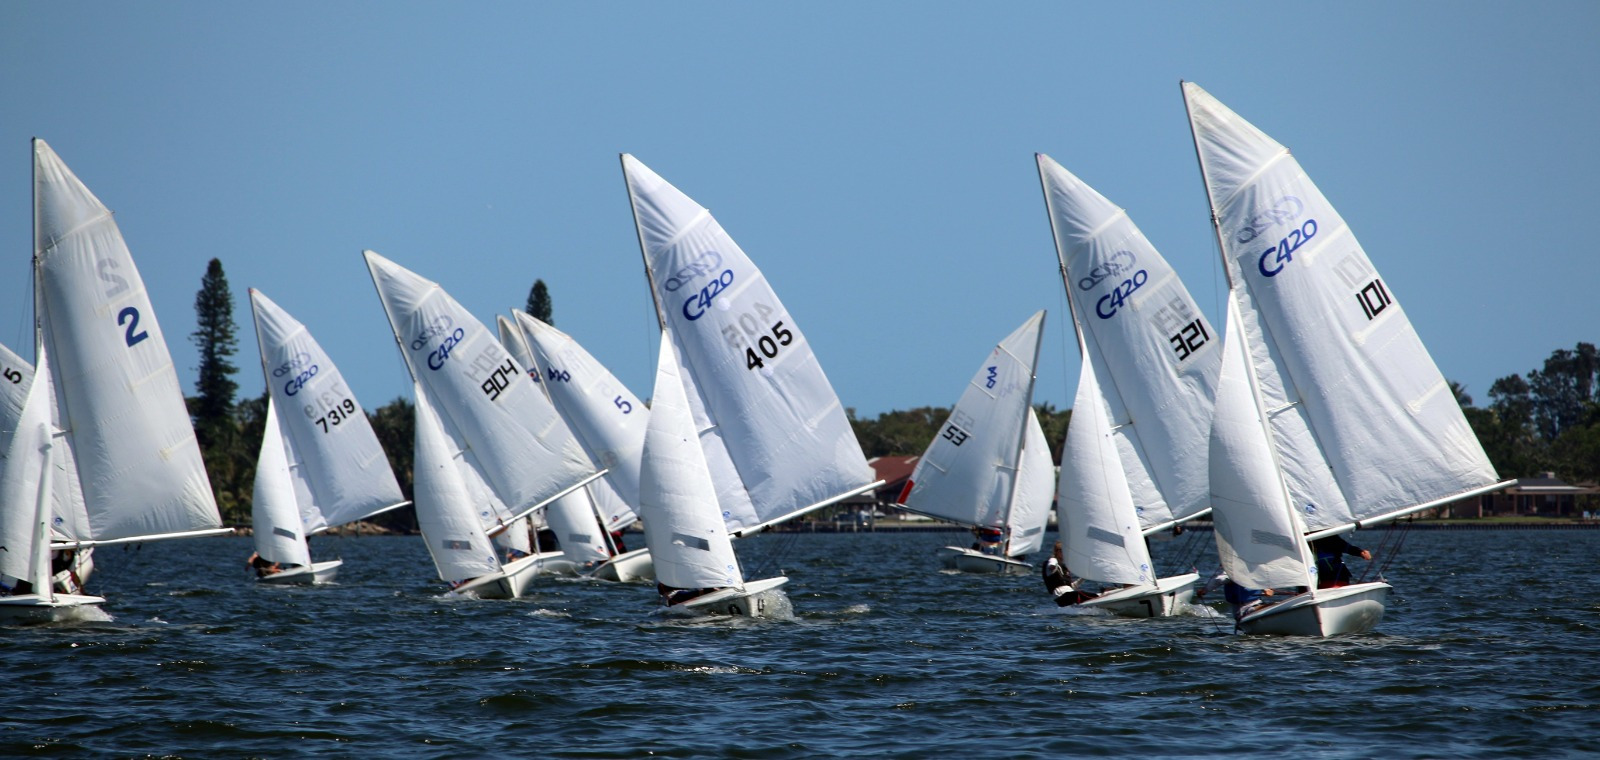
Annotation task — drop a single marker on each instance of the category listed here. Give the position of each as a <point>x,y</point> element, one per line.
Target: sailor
<point>263,566</point>
<point>989,539</point>
<point>1244,600</point>
<point>1330,551</point>
<point>671,596</point>
<point>1058,579</point>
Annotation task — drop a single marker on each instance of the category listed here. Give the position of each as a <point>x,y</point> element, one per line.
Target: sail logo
<point>1109,303</point>
<point>702,265</point>
<point>441,324</point>
<point>994,377</point>
<point>438,356</point>
<point>1115,264</point>
<point>1283,252</point>
<point>295,362</point>
<point>696,306</point>
<point>299,381</point>
<point>1282,211</point>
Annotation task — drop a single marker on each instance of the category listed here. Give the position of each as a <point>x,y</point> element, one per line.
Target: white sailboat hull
<point>511,582</point>
<point>1322,612</point>
<point>317,572</point>
<point>32,608</point>
<point>973,561</point>
<point>739,602</point>
<point>1160,599</point>
<point>634,565</point>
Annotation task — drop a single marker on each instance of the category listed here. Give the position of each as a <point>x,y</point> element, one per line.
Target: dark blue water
<point>1489,649</point>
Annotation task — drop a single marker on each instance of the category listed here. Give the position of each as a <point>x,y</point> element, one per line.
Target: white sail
<point>765,411</point>
<point>26,455</point>
<point>574,517</point>
<point>116,389</point>
<point>969,472</point>
<point>445,515</point>
<point>275,512</point>
<point>489,407</point>
<point>1258,539</point>
<point>518,536</point>
<point>1155,355</point>
<point>338,455</point>
<point>607,419</point>
<point>682,525</point>
<point>1036,489</point>
<point>70,518</point>
<point>1364,426</point>
<point>1101,537</point>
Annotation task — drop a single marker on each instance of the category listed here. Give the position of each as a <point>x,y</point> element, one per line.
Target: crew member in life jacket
<point>671,596</point>
<point>989,540</point>
<point>1058,579</point>
<point>1330,551</point>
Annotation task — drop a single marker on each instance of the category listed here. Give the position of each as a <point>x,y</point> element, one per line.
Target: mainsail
<point>970,472</point>
<point>1363,425</point>
<point>340,465</point>
<point>775,435</point>
<point>117,392</point>
<point>487,404</point>
<point>1154,354</point>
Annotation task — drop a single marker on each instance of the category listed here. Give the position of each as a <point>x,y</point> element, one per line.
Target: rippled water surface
<point>1489,649</point>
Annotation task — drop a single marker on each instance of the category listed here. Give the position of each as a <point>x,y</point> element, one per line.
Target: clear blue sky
<point>875,159</point>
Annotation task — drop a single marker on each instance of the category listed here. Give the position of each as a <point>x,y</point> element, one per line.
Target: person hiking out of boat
<point>61,572</point>
<point>1245,600</point>
<point>263,566</point>
<point>1330,551</point>
<point>989,539</point>
<point>1059,581</point>
<point>671,596</point>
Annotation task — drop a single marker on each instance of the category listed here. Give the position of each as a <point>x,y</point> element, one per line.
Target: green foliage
<point>395,425</point>
<point>539,306</point>
<point>212,407</point>
<point>1549,421</point>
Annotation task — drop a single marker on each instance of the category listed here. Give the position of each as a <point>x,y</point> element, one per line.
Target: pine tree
<point>539,306</point>
<point>212,406</point>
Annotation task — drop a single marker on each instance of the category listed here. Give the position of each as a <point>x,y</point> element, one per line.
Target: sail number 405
<point>770,345</point>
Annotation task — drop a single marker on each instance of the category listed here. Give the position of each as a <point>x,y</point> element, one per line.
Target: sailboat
<point>461,550</point>
<point>606,419</point>
<point>73,568</point>
<point>333,470</point>
<point>989,466</point>
<point>683,526</point>
<point>1330,413</point>
<point>515,454</point>
<point>116,403</point>
<point>774,433</point>
<point>1134,462</point>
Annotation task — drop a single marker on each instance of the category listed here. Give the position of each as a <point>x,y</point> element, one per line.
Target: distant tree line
<point>1546,420</point>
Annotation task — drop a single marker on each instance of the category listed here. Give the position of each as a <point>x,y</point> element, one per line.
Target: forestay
<point>338,459</point>
<point>1101,536</point>
<point>969,472</point>
<point>487,403</point>
<point>117,391</point>
<point>682,526</point>
<point>1155,355</point>
<point>607,419</point>
<point>776,437</point>
<point>454,536</point>
<point>275,511</point>
<point>1363,423</point>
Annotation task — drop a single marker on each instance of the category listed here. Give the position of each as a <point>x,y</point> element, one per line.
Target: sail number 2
<point>118,285</point>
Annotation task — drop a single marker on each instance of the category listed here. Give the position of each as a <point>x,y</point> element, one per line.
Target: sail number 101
<point>769,345</point>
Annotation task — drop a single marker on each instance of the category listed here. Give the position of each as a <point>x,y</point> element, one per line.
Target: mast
<point>649,275</point>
